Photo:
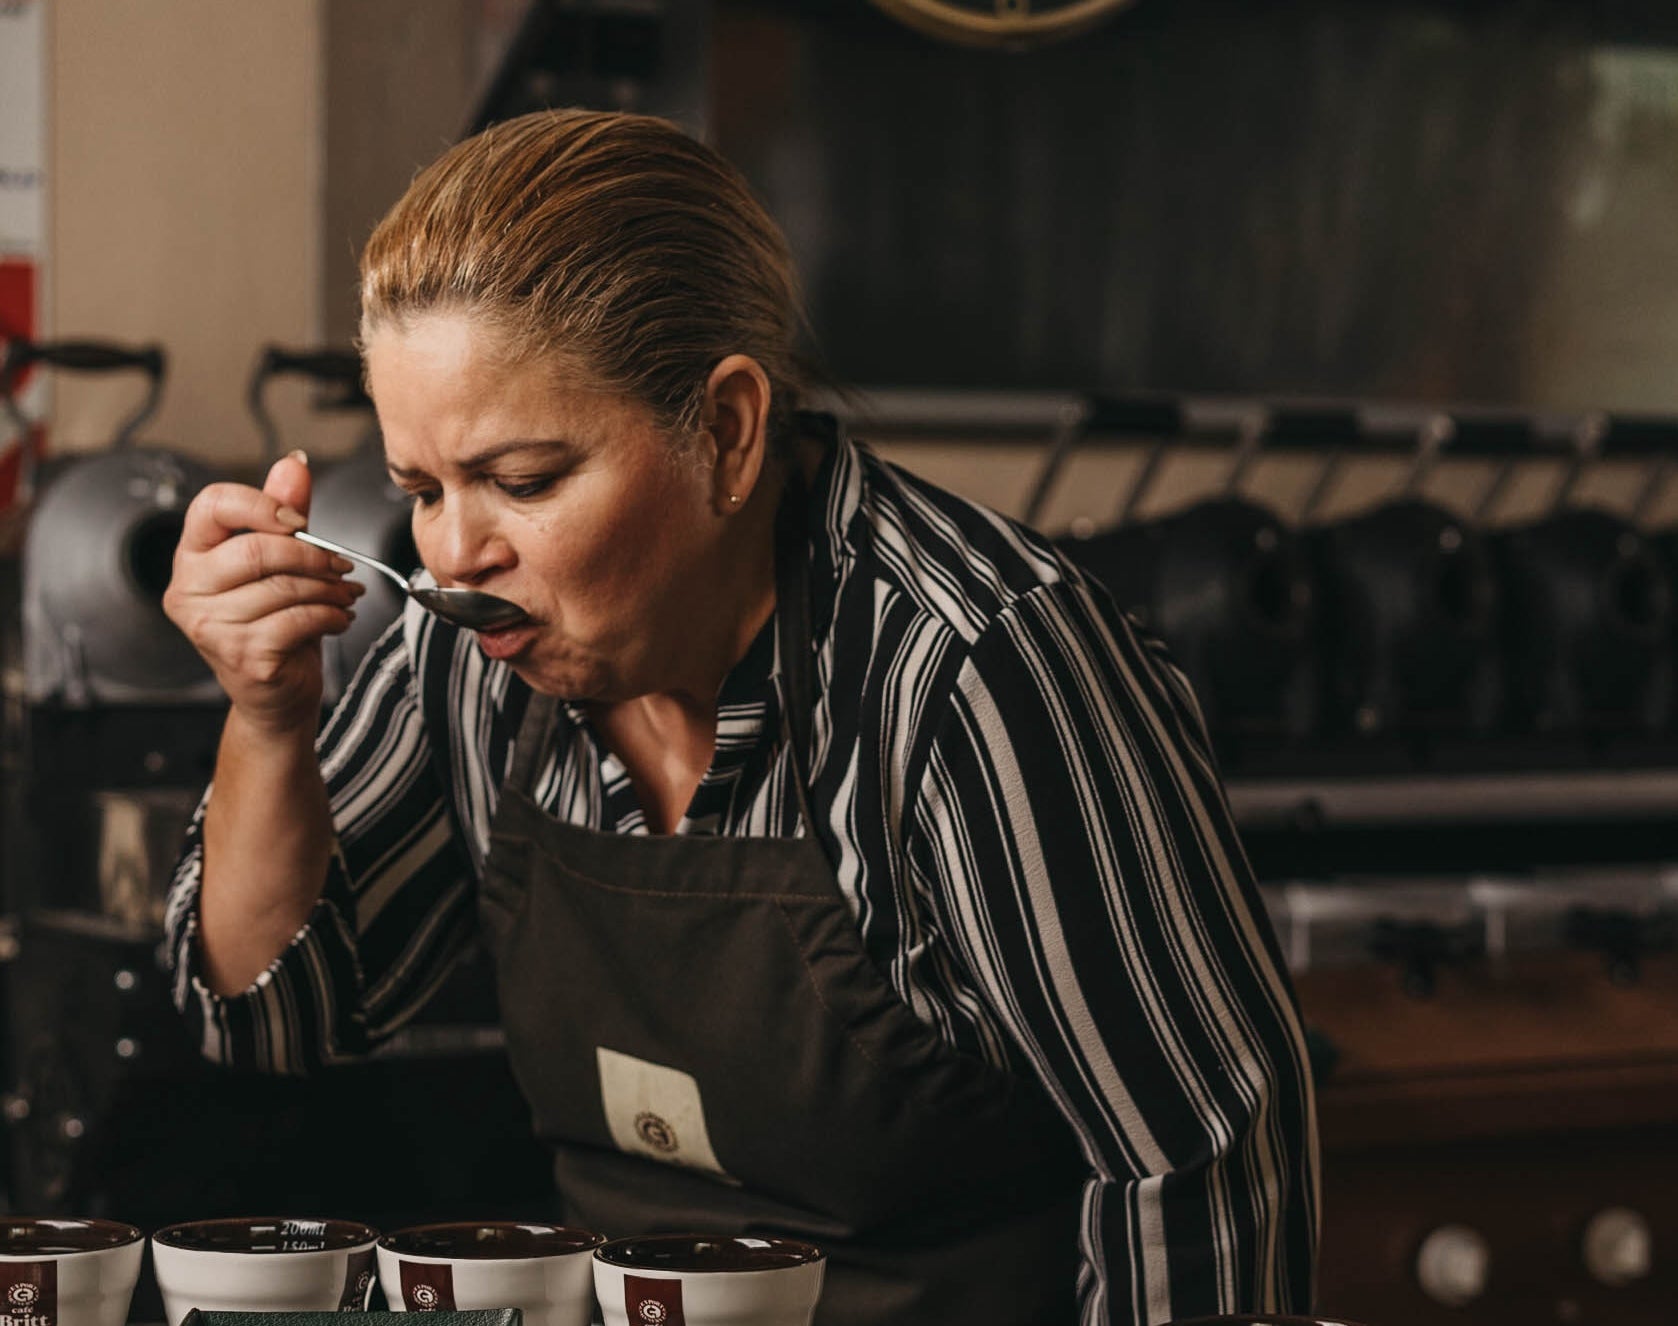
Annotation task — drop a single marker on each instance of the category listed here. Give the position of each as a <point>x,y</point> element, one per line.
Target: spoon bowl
<point>470,608</point>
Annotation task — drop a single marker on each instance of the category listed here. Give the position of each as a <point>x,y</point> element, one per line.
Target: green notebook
<point>482,1317</point>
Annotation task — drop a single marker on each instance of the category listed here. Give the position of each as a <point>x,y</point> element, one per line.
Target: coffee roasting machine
<point>111,723</point>
<point>1450,741</point>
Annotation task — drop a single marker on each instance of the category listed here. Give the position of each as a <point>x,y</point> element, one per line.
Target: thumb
<point>289,483</point>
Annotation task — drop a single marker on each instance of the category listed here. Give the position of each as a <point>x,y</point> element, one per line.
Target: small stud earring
<point>734,499</point>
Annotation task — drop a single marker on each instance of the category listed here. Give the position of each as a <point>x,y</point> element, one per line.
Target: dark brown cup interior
<point>706,1252</point>
<point>266,1234</point>
<point>22,1236</point>
<point>489,1240</point>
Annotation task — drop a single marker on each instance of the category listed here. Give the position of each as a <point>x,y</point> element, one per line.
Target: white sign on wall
<point>23,210</point>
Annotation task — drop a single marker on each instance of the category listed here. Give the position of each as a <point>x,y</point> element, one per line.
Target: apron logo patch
<point>655,1111</point>
<point>31,1293</point>
<point>655,1132</point>
<point>653,1302</point>
<point>427,1286</point>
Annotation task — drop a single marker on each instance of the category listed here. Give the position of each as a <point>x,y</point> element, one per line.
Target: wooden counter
<point>1519,1101</point>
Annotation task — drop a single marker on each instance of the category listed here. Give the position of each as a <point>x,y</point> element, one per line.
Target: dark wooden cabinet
<point>1524,1116</point>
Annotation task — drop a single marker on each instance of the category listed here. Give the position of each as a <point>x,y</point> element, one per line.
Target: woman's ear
<point>736,425</point>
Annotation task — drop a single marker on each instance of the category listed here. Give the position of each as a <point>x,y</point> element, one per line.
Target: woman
<point>851,868</point>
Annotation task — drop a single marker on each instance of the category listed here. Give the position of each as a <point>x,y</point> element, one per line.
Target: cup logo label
<point>427,1286</point>
<point>648,1302</point>
<point>358,1279</point>
<point>31,1293</point>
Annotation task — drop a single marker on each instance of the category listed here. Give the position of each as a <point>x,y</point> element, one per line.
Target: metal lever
<point>1420,948</point>
<point>86,357</point>
<point>339,368</point>
<point>1623,938</point>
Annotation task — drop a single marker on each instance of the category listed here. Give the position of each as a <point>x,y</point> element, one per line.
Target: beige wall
<point>400,76</point>
<point>185,196</point>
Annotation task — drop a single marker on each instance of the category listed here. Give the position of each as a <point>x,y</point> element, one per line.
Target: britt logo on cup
<point>358,1279</point>
<point>543,1270</point>
<point>30,1293</point>
<point>649,1302</point>
<point>708,1280</point>
<point>427,1286</point>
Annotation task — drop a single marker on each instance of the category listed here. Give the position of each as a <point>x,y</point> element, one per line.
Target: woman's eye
<point>423,496</point>
<point>523,488</point>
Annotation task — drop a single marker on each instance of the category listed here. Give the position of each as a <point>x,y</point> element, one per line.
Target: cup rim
<point>577,1240</point>
<point>802,1254</point>
<point>112,1234</point>
<point>338,1235</point>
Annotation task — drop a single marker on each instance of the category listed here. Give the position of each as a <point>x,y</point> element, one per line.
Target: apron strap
<point>534,738</point>
<point>794,673</point>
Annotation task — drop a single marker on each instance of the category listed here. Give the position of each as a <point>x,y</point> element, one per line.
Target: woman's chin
<point>580,685</point>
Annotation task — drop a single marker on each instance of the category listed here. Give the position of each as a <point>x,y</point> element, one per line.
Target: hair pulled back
<point>613,244</point>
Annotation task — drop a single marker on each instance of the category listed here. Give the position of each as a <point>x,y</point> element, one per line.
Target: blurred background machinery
<point>111,724</point>
<point>1445,720</point>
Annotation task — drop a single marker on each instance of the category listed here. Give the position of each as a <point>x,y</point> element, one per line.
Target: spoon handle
<point>400,579</point>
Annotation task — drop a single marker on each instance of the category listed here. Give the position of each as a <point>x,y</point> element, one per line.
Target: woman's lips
<point>508,641</point>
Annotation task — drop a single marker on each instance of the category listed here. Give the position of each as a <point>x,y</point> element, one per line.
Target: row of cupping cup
<point>83,1272</point>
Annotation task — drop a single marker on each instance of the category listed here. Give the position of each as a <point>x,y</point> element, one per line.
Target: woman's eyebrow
<point>488,456</point>
<point>501,450</point>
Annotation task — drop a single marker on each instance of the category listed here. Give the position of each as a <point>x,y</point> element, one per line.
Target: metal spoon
<point>471,608</point>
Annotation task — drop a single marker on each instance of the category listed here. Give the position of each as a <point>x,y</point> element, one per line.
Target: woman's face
<point>569,501</point>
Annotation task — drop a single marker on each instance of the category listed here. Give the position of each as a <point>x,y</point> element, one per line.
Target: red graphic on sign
<point>427,1286</point>
<point>649,1302</point>
<point>28,1294</point>
<point>17,298</point>
<point>17,319</point>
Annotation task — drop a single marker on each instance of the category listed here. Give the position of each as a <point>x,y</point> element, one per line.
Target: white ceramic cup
<point>707,1280</point>
<point>67,1272</point>
<point>263,1264</point>
<point>543,1269</point>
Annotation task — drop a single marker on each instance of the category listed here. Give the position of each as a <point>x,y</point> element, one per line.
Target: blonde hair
<point>613,244</point>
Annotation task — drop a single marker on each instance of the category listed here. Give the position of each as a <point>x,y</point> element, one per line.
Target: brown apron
<point>707,1047</point>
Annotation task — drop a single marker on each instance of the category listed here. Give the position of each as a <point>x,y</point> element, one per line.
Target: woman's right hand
<point>256,602</point>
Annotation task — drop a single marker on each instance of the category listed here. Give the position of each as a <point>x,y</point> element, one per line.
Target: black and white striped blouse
<point>1017,794</point>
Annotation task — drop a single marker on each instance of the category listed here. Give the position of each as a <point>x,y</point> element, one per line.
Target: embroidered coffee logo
<point>427,1286</point>
<point>656,1132</point>
<point>649,1302</point>
<point>31,1293</point>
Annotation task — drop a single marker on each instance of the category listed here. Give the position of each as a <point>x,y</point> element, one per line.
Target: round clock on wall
<point>1002,22</point>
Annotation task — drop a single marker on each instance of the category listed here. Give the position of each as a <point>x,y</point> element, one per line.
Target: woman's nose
<point>462,544</point>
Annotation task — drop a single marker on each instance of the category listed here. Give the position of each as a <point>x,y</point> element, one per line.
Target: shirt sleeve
<point>1073,833</point>
<point>396,910</point>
